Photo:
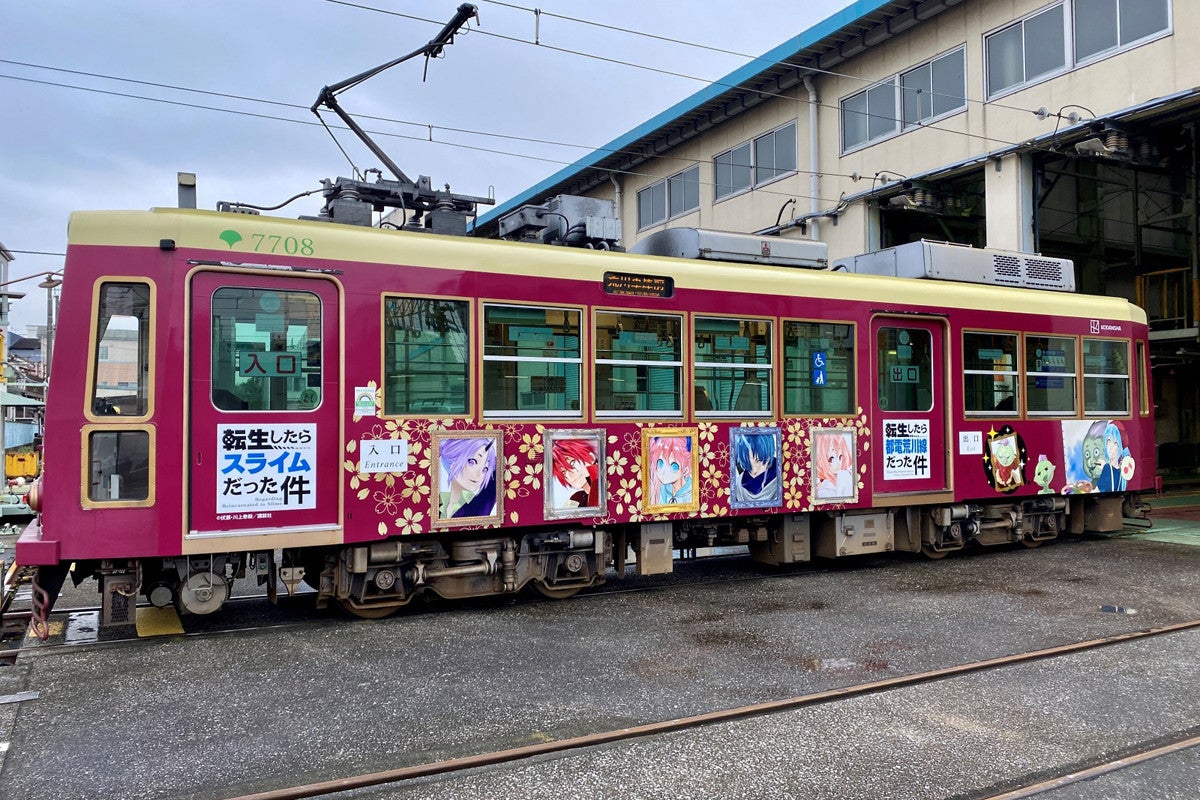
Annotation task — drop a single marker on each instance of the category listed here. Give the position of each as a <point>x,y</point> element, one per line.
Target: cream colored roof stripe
<point>202,229</point>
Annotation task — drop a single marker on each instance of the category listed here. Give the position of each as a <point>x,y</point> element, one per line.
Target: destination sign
<point>627,283</point>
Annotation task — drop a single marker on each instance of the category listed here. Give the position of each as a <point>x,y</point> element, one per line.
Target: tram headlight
<point>34,498</point>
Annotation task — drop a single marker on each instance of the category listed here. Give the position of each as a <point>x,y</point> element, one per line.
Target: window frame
<point>597,362</point>
<point>1119,47</point>
<point>768,368</point>
<point>468,363</point>
<point>1027,374</point>
<point>851,371</point>
<point>1014,374</point>
<point>934,115</point>
<point>86,464</point>
<point>1026,80</point>
<point>665,185</point>
<point>150,334</point>
<point>751,145</point>
<point>1085,376</point>
<point>487,413</point>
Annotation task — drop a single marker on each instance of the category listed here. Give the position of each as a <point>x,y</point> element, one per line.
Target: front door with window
<point>909,404</point>
<point>264,406</point>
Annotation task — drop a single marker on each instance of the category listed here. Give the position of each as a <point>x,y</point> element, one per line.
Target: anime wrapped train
<point>380,413</point>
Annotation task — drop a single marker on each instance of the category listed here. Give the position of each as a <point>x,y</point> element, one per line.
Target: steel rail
<point>684,723</point>
<point>1097,770</point>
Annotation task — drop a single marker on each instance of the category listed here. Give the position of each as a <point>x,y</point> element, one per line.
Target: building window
<point>1050,376</point>
<point>869,115</point>
<point>733,368</point>
<point>639,365</point>
<point>669,198</point>
<point>426,352</point>
<point>768,157</point>
<point>1026,51</point>
<point>990,376</point>
<point>818,368</point>
<point>531,361</point>
<point>934,89</point>
<point>775,154</point>
<point>1105,378</point>
<point>1102,26</point>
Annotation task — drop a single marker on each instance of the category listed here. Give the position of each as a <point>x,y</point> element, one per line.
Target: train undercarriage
<point>377,579</point>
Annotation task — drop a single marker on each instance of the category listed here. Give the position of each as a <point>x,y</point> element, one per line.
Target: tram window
<point>818,368</point>
<point>905,358</point>
<point>639,365</point>
<point>1105,377</point>
<point>121,363</point>
<point>426,356</point>
<point>119,466</point>
<point>531,361</point>
<point>733,367</point>
<point>266,350</point>
<point>1050,376</point>
<point>990,378</point>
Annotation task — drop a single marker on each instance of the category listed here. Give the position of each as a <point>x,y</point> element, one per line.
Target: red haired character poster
<point>575,464</point>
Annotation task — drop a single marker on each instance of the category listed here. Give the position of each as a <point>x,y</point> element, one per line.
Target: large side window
<point>266,350</point>
<point>426,356</point>
<point>818,377</point>
<point>1050,376</point>
<point>905,359</point>
<point>733,366</point>
<point>990,378</point>
<point>121,359</point>
<point>1026,51</point>
<point>639,365</point>
<point>531,361</point>
<point>1105,378</point>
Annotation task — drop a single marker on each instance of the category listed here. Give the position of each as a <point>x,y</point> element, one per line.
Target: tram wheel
<point>368,612</point>
<point>933,555</point>
<point>556,592</point>
<point>1031,543</point>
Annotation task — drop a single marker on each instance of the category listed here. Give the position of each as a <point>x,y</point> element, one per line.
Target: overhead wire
<point>657,70</point>
<point>391,134</point>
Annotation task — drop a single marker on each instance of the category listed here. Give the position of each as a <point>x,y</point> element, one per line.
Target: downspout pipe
<point>617,196</point>
<point>814,180</point>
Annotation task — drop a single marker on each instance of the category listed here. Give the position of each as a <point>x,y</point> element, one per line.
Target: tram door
<point>909,400</point>
<point>264,408</point>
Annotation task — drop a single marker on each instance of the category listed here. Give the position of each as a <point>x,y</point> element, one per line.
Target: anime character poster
<point>575,468</point>
<point>466,466</point>
<point>754,479</point>
<point>670,462</point>
<point>834,465</point>
<point>1004,459</point>
<point>1097,457</point>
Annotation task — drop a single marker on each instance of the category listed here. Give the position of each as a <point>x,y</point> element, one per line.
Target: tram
<point>380,413</point>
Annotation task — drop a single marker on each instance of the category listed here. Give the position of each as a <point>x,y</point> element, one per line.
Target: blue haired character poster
<point>1098,457</point>
<point>754,479</point>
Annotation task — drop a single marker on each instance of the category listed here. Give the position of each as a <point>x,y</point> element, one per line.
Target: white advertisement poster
<point>266,467</point>
<point>905,449</point>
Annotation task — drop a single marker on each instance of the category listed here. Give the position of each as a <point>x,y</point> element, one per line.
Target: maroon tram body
<point>379,413</point>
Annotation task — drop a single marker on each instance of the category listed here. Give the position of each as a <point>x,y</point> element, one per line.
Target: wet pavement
<point>215,716</point>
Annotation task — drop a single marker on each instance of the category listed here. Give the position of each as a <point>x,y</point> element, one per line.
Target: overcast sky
<point>98,147</point>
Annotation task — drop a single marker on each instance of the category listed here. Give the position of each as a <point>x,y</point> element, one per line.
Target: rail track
<point>579,743</point>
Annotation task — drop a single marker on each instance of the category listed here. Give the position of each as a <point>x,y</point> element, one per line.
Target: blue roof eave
<point>787,50</point>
